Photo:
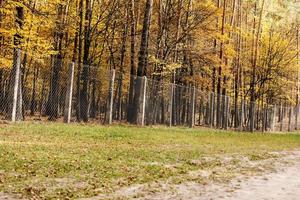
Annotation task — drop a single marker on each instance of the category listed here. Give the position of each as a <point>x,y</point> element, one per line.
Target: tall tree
<point>84,98</point>
<point>143,56</point>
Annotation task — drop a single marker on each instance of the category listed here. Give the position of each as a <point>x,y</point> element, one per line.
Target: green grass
<point>57,160</point>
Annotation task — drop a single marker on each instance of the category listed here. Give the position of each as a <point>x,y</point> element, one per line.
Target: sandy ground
<point>283,183</point>
<point>7,197</point>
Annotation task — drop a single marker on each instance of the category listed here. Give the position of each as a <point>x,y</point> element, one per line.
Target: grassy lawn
<point>56,160</point>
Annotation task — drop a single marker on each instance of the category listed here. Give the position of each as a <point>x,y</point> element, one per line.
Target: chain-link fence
<point>58,90</point>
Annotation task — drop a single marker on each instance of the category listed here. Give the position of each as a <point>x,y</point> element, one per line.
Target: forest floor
<point>53,160</point>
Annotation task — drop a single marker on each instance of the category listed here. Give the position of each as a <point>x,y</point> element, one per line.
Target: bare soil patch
<point>274,178</point>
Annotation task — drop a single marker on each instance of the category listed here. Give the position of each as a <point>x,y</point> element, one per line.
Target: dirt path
<point>284,184</point>
<point>279,180</point>
<point>4,196</point>
<point>277,186</point>
<point>281,185</point>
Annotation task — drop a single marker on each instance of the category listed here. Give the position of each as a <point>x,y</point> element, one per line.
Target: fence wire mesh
<point>56,90</point>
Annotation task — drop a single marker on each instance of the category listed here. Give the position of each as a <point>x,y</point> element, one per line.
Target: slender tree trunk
<point>254,63</point>
<point>256,52</point>
<point>143,57</point>
<point>84,94</point>
<point>53,99</point>
<point>132,62</point>
<point>237,85</point>
<point>79,65</point>
<point>219,86</point>
<point>122,57</point>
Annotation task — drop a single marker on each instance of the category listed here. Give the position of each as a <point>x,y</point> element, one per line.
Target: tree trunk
<point>79,66</point>
<point>84,94</point>
<point>219,87</point>
<point>53,99</point>
<point>132,63</point>
<point>143,57</point>
<point>254,63</point>
<point>122,57</point>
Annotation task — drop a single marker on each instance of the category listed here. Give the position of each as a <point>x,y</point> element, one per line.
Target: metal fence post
<point>273,122</point>
<point>111,96</point>
<point>252,116</point>
<point>290,119</point>
<point>69,94</point>
<point>226,112</point>
<point>223,111</point>
<point>296,116</point>
<point>17,90</point>
<point>192,107</point>
<point>264,118</point>
<point>171,104</point>
<point>241,123</point>
<point>281,117</point>
<point>144,100</point>
<point>212,110</point>
<point>175,102</point>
